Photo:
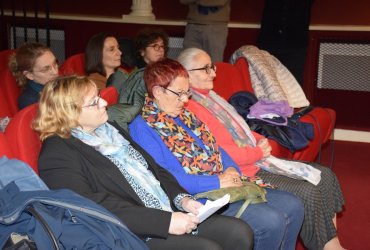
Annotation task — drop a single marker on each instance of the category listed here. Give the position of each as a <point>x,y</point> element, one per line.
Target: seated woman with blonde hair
<point>84,153</point>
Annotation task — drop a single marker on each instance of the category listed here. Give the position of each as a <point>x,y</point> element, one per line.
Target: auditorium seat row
<point>230,79</point>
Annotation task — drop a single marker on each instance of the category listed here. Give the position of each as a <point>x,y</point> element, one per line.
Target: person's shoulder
<point>138,121</point>
<point>55,142</point>
<point>28,97</point>
<point>52,141</point>
<point>121,73</point>
<point>139,72</point>
<point>138,126</point>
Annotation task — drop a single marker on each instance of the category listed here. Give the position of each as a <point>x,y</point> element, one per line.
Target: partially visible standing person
<point>284,33</point>
<point>207,26</point>
<point>33,65</point>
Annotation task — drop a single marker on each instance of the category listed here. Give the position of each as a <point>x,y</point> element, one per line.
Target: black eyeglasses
<point>207,68</point>
<point>181,95</point>
<point>94,103</point>
<point>156,46</point>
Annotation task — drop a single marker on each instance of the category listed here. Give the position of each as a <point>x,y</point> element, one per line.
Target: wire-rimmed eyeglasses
<point>207,68</point>
<point>181,95</point>
<point>94,103</point>
<point>49,68</point>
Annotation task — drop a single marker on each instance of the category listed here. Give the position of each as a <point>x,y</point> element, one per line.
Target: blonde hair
<point>60,106</point>
<point>24,60</point>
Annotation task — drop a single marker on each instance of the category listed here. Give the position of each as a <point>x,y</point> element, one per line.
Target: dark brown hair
<point>94,53</point>
<point>147,36</point>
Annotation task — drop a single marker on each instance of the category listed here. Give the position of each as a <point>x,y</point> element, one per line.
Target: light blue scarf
<point>109,142</point>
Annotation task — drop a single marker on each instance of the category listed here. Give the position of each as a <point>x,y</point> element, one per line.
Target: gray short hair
<point>187,56</point>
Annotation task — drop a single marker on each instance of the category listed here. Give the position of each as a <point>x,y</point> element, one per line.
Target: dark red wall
<point>342,12</point>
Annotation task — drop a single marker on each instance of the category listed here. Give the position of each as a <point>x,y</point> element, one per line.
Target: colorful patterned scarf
<point>193,158</point>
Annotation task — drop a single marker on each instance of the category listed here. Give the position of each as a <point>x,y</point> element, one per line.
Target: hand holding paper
<point>211,207</point>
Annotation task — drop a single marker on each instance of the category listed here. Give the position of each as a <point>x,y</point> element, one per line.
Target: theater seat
<point>4,58</point>
<point>73,65</point>
<point>9,89</point>
<point>110,95</point>
<point>9,92</point>
<point>229,80</point>
<point>5,149</point>
<point>23,140</point>
<point>232,78</point>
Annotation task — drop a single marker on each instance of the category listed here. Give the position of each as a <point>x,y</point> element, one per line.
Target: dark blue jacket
<point>75,221</point>
<point>30,95</point>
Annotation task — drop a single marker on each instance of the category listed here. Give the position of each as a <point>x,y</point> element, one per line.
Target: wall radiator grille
<point>174,47</point>
<point>344,66</point>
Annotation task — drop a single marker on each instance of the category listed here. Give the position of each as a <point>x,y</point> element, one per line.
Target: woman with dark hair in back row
<point>103,59</point>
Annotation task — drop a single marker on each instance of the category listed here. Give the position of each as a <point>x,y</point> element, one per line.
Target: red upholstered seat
<point>9,89</point>
<point>110,95</point>
<point>73,65</point>
<point>5,109</point>
<point>323,120</point>
<point>4,58</point>
<point>23,140</point>
<point>232,78</point>
<point>9,93</point>
<point>228,80</point>
<point>5,149</point>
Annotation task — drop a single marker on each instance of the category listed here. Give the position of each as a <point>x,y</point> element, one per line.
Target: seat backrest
<point>5,149</point>
<point>228,80</point>
<point>4,58</point>
<point>5,109</point>
<point>243,67</point>
<point>9,92</point>
<point>23,140</point>
<point>73,65</point>
<point>110,95</point>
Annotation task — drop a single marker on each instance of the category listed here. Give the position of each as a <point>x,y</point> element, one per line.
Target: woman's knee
<point>297,206</point>
<point>239,236</point>
<point>289,203</point>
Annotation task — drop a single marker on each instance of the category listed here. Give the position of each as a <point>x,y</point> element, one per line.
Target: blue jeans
<point>275,224</point>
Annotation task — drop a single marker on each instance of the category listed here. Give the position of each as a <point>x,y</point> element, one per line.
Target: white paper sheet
<point>212,206</point>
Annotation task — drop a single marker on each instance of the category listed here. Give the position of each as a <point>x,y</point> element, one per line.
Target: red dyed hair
<point>162,73</point>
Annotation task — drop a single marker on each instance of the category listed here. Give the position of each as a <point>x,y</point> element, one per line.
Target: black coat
<point>70,163</point>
